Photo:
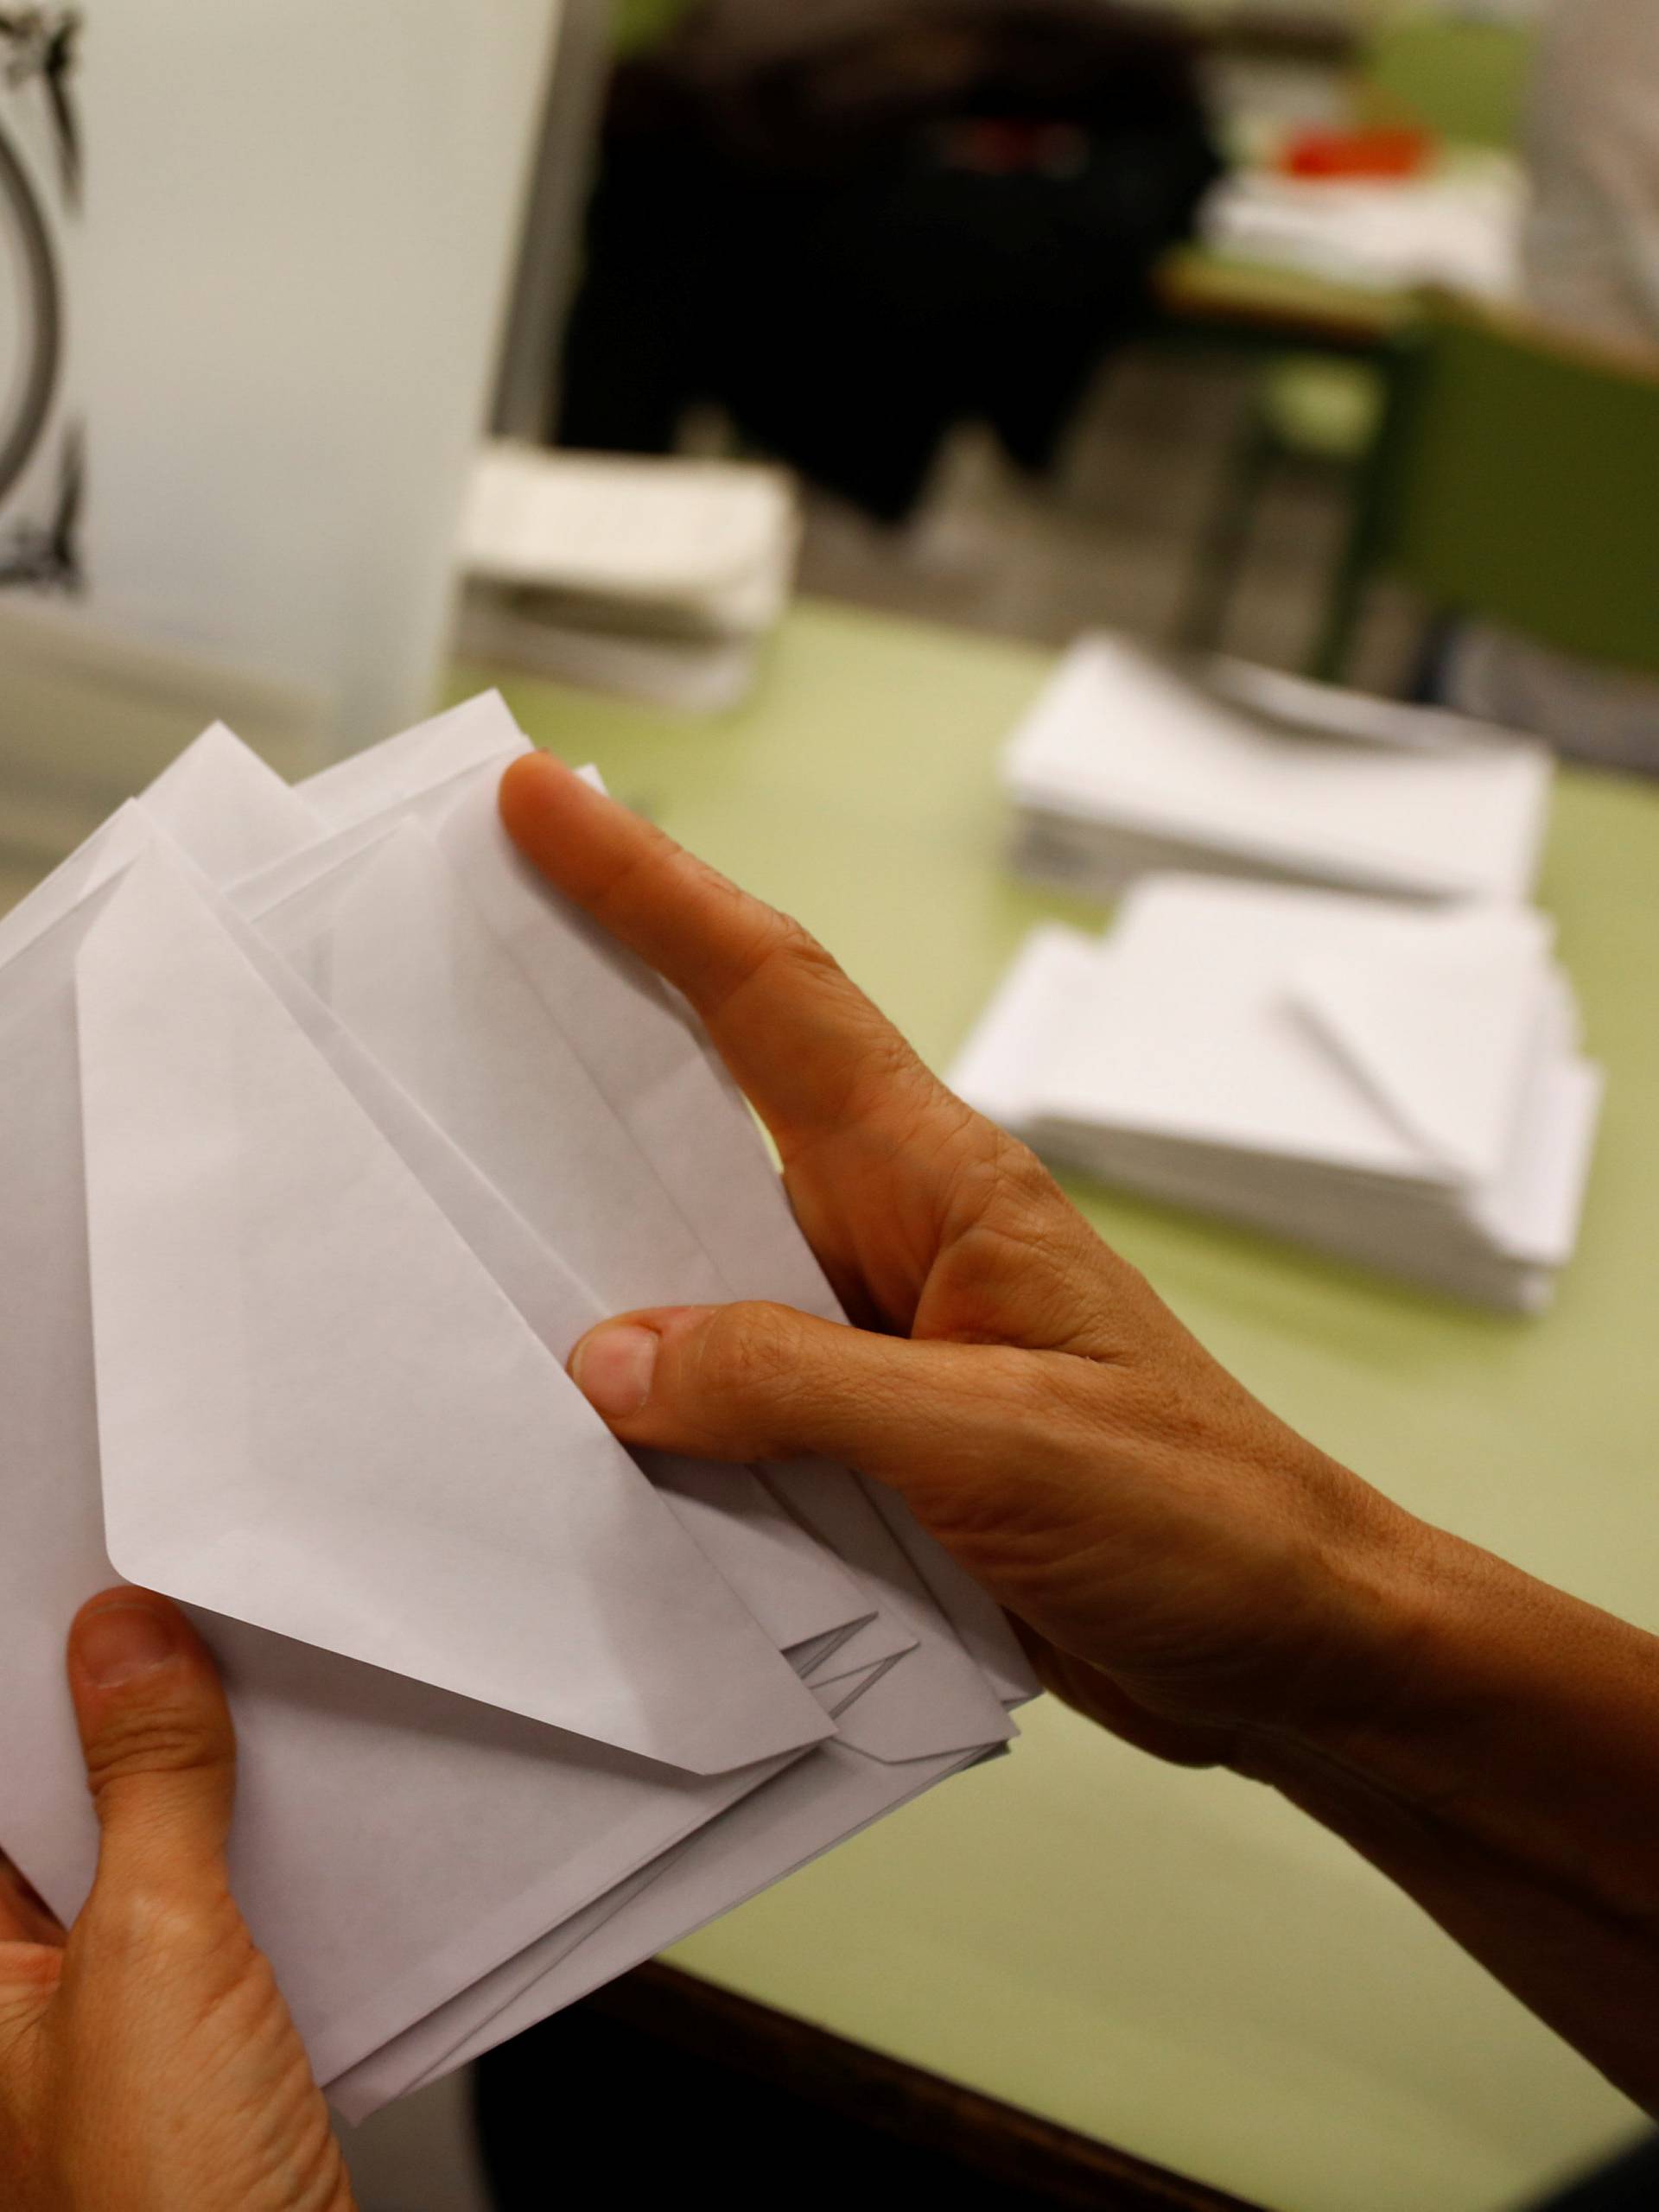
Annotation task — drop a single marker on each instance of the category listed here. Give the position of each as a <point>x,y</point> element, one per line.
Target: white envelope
<point>657,1065</point>
<point>693,1136</point>
<point>397,1846</point>
<point>219,803</point>
<point>408,962</point>
<point>393,1842</point>
<point>111,847</point>
<point>797,1817</point>
<point>224,808</point>
<point>405,769</point>
<point>272,1289</point>
<point>352,911</point>
<point>1216,982</point>
<point>1440,1034</point>
<point>1122,749</point>
<point>401,954</point>
<point>1395,1085</point>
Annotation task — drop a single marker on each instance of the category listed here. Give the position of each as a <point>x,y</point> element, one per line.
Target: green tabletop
<point>1178,1963</point>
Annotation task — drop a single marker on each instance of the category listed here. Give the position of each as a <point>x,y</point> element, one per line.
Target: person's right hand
<point>1185,1566</point>
<point>1188,1570</point>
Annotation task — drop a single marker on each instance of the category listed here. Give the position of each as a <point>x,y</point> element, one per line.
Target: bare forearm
<point>1508,1778</point>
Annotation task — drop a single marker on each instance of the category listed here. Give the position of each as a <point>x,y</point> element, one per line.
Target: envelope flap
<point>467,736</point>
<point>319,1414</point>
<point>417,974</point>
<point>232,813</point>
<point>111,846</point>
<point>1440,1034</point>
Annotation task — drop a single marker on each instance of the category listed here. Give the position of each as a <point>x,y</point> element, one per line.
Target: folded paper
<point>1128,766</point>
<point>329,1130</point>
<point>1396,1084</point>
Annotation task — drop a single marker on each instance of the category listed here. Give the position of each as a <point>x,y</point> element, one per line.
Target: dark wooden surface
<point>1006,2149</point>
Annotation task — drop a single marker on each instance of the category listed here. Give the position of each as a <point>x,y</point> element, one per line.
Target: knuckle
<point>883,1076</point>
<point>1040,1393</point>
<point>794,942</point>
<point>769,939</point>
<point>1025,1198</point>
<point>976,1143</point>
<point>1008,1192</point>
<point>137,1920</point>
<point>247,2005</point>
<point>1051,1406</point>
<point>1018,1173</point>
<point>142,1740</point>
<point>744,1354</point>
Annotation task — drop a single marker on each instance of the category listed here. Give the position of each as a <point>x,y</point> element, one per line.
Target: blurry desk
<point>1178,1964</point>
<point>1213,297</point>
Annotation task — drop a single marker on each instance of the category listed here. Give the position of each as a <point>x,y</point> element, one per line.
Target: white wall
<point>550,261</point>
<point>301,215</point>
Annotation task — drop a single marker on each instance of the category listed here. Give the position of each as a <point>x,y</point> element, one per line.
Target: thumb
<point>161,1753</point>
<point>756,1382</point>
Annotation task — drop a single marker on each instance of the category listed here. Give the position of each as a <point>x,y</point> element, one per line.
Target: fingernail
<point>120,1643</point>
<point>612,1369</point>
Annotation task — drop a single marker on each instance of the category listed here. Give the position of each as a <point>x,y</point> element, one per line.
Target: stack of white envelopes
<point>1127,765</point>
<point>659,578</point>
<point>1400,1085</point>
<point>1459,227</point>
<point>328,1130</point>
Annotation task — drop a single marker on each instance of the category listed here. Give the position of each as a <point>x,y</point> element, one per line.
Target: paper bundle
<point>1399,1086</point>
<point>329,1130</point>
<point>1459,228</point>
<point>1126,766</point>
<point>658,578</point>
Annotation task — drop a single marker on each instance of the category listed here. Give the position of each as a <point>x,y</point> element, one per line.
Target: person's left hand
<point>147,2063</point>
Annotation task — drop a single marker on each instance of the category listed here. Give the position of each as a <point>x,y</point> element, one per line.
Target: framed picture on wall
<point>40,437</point>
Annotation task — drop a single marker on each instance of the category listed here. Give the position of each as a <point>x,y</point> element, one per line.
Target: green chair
<point>1464,80</point>
<point>638,22</point>
<point>1304,411</point>
<point>1516,480</point>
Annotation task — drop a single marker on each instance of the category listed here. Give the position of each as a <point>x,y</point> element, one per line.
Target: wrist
<point>1369,1661</point>
<point>1475,1701</point>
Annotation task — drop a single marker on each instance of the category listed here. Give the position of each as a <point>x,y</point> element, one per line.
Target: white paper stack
<point>328,1130</point>
<point>657,578</point>
<point>1459,227</point>
<point>1399,1086</point>
<point>1126,766</point>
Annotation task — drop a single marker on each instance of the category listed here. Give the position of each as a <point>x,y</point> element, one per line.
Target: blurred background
<point>628,352</point>
<point>1059,316</point>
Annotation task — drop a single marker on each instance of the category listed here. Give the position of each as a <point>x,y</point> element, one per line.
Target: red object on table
<point>1393,151</point>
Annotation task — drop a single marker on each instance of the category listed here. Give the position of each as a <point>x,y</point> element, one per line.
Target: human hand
<point>147,2063</point>
<point>1185,1567</point>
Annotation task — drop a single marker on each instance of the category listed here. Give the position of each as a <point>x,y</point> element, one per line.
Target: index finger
<point>801,1040</point>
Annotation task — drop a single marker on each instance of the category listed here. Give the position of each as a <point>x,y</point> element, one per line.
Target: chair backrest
<point>639,22</point>
<point>1517,479</point>
<point>1464,78</point>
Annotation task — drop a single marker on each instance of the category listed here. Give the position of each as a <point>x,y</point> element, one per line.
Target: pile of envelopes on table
<point>1402,1085</point>
<point>328,1130</point>
<point>659,577</point>
<point>1128,764</point>
<point>1458,227</point>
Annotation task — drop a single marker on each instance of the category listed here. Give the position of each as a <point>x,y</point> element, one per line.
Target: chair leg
<point>1345,601</point>
<point>1431,672</point>
<point>1226,539</point>
<point>1343,609</point>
